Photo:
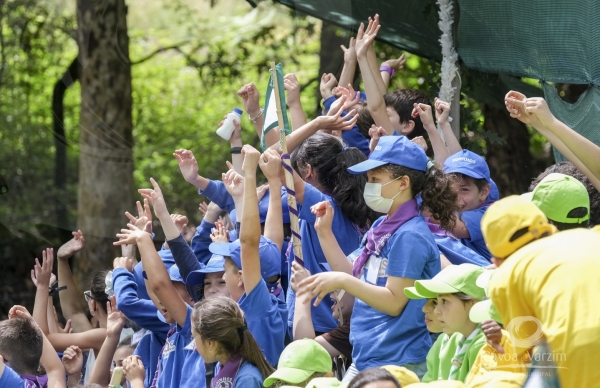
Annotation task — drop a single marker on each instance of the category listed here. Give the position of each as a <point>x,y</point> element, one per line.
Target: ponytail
<point>330,159</point>
<point>220,319</point>
<point>436,191</point>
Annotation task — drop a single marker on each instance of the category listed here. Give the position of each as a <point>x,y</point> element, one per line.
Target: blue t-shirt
<point>314,259</point>
<point>217,193</point>
<point>266,317</point>
<point>457,253</point>
<point>377,338</point>
<point>472,219</point>
<point>10,379</point>
<point>143,313</point>
<point>194,371</point>
<point>248,376</point>
<point>174,355</point>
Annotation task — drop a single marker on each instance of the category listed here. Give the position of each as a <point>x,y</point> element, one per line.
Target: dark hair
<point>403,100</point>
<point>436,191</point>
<point>126,342</point>
<point>220,319</point>
<point>372,375</point>
<point>569,168</point>
<point>326,155</point>
<point>365,120</point>
<point>98,287</point>
<point>21,344</point>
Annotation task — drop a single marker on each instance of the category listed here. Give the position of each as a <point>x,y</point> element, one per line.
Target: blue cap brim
<point>365,166</point>
<point>195,278</point>
<point>465,171</point>
<point>219,248</point>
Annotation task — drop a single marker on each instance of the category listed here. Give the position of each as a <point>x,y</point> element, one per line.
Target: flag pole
<point>289,177</point>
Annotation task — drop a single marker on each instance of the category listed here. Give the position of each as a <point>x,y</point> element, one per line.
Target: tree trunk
<point>511,164</point>
<point>106,165</point>
<point>70,76</point>
<point>331,56</point>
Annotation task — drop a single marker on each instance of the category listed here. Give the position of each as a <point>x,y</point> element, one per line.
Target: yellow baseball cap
<point>403,375</point>
<point>504,218</point>
<point>498,379</point>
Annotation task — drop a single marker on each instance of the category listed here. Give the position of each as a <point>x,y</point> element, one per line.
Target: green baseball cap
<point>484,310</point>
<point>453,279</point>
<point>412,293</point>
<point>300,360</point>
<point>558,195</point>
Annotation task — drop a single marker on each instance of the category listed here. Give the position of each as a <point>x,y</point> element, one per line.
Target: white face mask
<point>374,200</point>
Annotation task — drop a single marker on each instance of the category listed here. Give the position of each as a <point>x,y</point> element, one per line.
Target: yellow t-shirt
<point>551,288</point>
<point>489,360</point>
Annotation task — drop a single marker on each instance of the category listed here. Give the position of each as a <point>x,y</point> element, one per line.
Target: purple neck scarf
<point>228,372</point>
<point>32,381</point>
<point>437,230</point>
<point>378,236</point>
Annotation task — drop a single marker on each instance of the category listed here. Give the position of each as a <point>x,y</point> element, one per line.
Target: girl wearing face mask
<point>386,327</point>
<point>321,174</point>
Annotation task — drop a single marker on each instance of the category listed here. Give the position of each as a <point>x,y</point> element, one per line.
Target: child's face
<point>202,348</point>
<point>232,278</point>
<point>469,196</point>
<point>120,354</point>
<point>453,313</point>
<point>214,284</point>
<point>160,307</point>
<point>400,127</point>
<point>431,319</point>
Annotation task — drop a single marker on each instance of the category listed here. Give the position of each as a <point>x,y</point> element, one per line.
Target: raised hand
<point>334,119</point>
<point>270,164</point>
<point>18,311</point>
<point>73,360</point>
<point>156,198</point>
<point>352,97</point>
<point>251,156</point>
<point>180,221</point>
<point>424,112</point>
<point>144,215</point>
<point>365,37</point>
<point>350,52</point>
<point>291,84</point>
<point>324,213</point>
<point>262,190</point>
<point>442,111</point>
<point>234,182</point>
<point>123,262</point>
<point>395,64</point>
<point>533,111</point>
<point>134,369</point>
<point>319,285</point>
<point>130,236</point>
<point>220,233</point>
<point>299,273</point>
<point>328,82</point>
<point>41,273</point>
<point>72,246</point>
<point>187,165</point>
<point>65,330</point>
<point>375,133</point>
<point>420,141</point>
<point>115,320</point>
<point>250,97</point>
<point>493,334</point>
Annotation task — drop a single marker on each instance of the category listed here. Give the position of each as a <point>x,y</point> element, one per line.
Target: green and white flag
<point>270,120</point>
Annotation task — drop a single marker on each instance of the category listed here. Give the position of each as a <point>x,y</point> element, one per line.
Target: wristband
<point>387,69</point>
<point>253,119</point>
<point>235,150</point>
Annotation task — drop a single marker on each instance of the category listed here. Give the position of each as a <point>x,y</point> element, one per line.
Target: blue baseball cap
<point>396,150</point>
<point>270,255</point>
<point>468,163</point>
<point>175,275</point>
<point>263,207</point>
<point>214,265</point>
<point>494,193</point>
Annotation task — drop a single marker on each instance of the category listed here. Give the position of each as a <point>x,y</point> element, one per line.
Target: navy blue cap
<point>396,150</point>
<point>468,163</point>
<point>214,265</point>
<point>270,255</point>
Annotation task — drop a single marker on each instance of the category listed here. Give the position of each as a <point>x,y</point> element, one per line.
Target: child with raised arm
<point>253,260</point>
<point>23,346</point>
<point>386,327</point>
<point>173,299</point>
